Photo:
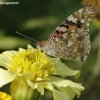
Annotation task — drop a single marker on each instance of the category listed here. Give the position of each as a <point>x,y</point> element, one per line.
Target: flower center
<point>34,61</point>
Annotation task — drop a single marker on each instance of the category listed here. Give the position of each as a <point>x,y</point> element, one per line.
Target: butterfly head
<point>41,45</point>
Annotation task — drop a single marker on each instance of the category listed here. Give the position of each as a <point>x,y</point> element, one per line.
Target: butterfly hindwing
<point>71,40</point>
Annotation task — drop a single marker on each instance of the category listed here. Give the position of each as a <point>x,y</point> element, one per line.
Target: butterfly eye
<point>40,44</point>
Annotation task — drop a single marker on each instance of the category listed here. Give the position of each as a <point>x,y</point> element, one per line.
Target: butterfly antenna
<point>26,36</point>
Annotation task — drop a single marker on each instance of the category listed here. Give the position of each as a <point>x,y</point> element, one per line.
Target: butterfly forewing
<point>70,40</point>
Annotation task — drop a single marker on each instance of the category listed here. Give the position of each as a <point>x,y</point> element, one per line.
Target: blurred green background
<point>37,19</point>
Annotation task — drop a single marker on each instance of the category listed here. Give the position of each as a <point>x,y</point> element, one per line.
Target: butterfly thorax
<point>48,49</point>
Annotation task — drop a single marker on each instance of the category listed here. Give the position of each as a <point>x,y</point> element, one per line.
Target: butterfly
<point>70,40</point>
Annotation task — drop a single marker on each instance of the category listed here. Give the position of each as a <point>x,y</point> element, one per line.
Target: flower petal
<point>40,89</point>
<point>68,91</point>
<point>25,76</point>
<point>58,95</point>
<point>21,50</point>
<point>62,69</point>
<point>6,57</point>
<point>66,86</point>
<point>30,47</point>
<point>47,85</point>
<point>32,84</point>
<point>6,76</point>
<point>37,86</point>
<point>63,83</point>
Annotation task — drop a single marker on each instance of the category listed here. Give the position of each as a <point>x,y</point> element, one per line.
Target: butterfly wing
<point>71,40</point>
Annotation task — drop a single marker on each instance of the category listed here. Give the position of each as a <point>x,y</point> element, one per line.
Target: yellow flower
<point>4,96</point>
<point>32,71</point>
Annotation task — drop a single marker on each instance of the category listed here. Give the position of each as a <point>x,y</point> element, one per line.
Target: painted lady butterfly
<point>70,40</point>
